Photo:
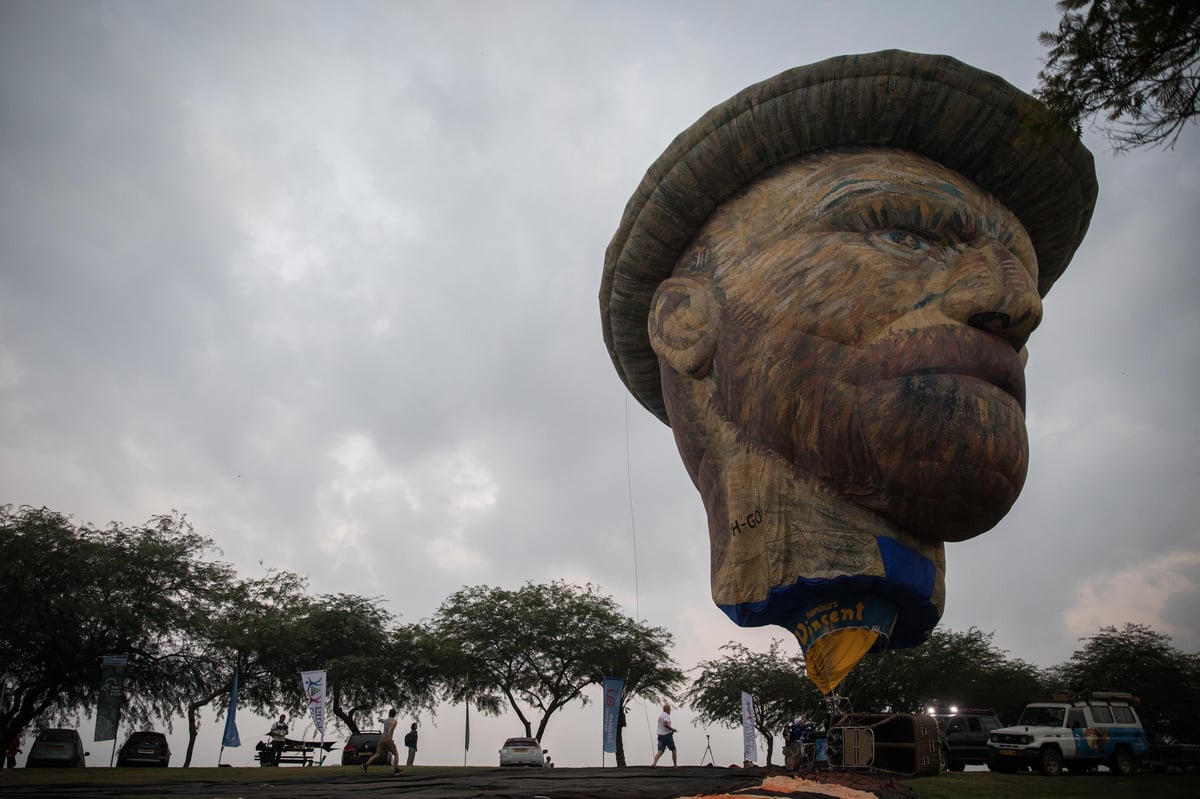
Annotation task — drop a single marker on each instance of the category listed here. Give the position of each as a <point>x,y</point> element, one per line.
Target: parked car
<point>361,746</point>
<point>1079,733</point>
<point>144,748</point>
<point>965,735</point>
<point>56,747</point>
<point>522,752</point>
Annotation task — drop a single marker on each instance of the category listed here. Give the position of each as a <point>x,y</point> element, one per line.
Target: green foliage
<point>371,663</point>
<point>964,669</point>
<point>1134,61</point>
<point>776,681</point>
<point>271,630</point>
<point>537,647</point>
<point>70,599</point>
<point>252,629</point>
<point>1143,662</point>
<point>76,593</point>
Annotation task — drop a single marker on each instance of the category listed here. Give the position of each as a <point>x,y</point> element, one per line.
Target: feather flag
<point>231,737</point>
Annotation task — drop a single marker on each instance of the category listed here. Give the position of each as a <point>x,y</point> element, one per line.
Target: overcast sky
<point>323,277</point>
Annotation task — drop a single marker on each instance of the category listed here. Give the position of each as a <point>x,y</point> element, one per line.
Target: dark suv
<point>361,746</point>
<point>964,736</point>
<point>57,747</point>
<point>145,749</point>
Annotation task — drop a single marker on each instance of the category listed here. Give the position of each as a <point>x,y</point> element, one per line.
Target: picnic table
<point>293,751</point>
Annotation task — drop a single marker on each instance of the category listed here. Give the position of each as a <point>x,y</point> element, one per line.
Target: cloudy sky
<point>324,277</point>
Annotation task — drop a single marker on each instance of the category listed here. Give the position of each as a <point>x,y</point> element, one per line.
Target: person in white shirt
<point>279,731</point>
<point>666,737</point>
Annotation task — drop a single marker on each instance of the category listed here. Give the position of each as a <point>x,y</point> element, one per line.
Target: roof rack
<point>1094,696</point>
<point>1119,696</point>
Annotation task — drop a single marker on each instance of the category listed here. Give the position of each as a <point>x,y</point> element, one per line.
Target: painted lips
<point>942,350</point>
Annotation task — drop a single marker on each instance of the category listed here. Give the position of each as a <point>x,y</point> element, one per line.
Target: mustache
<point>942,350</point>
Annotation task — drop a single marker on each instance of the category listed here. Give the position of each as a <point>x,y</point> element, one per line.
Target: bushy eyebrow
<point>939,209</point>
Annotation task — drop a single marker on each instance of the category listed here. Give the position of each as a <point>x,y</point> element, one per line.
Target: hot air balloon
<point>824,286</point>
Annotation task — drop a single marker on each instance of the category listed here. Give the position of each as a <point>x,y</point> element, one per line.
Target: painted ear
<point>683,324</point>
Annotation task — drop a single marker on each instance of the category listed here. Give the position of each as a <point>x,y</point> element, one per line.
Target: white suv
<point>1100,728</point>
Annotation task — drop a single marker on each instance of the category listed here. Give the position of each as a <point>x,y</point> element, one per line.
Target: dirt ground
<point>559,783</point>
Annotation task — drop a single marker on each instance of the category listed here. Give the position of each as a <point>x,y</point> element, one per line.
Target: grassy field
<point>1028,785</point>
<point>151,776</point>
<point>135,776</point>
<point>966,785</point>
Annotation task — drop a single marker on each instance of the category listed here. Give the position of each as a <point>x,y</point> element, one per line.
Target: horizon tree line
<point>187,622</point>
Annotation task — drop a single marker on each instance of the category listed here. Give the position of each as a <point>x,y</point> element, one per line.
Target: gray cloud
<point>324,278</point>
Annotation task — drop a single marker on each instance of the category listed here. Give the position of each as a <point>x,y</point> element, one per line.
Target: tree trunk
<point>347,716</point>
<point>512,702</point>
<point>621,739</point>
<point>194,722</point>
<point>193,730</point>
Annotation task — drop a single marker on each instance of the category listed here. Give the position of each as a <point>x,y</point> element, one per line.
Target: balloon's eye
<point>907,240</point>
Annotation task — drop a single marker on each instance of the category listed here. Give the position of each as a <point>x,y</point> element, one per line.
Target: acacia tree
<point>69,601</point>
<point>534,648</point>
<point>1143,662</point>
<point>371,662</point>
<point>256,632</point>
<point>1134,61</point>
<point>775,680</point>
<point>961,668</point>
<point>640,655</point>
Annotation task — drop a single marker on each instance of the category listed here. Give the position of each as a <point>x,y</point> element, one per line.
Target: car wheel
<point>943,760</point>
<point>1050,762</point>
<point>1122,762</point>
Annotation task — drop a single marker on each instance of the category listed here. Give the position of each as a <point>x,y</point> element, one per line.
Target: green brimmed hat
<point>969,120</point>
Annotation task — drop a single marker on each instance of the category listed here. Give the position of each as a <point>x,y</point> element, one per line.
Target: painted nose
<point>991,289</point>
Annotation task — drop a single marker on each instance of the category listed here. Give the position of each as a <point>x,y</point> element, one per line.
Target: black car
<point>361,746</point>
<point>965,735</point>
<point>56,747</point>
<point>145,749</point>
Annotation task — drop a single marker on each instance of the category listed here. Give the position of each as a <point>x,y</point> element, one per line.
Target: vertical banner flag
<point>749,740</point>
<point>612,708</point>
<point>112,695</point>
<point>231,737</point>
<point>314,693</point>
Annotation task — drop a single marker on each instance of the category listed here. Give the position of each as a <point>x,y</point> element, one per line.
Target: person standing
<point>666,737</point>
<point>387,744</point>
<point>279,731</point>
<point>10,754</point>
<point>410,740</point>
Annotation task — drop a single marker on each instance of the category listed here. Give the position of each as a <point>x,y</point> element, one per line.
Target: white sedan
<point>521,752</point>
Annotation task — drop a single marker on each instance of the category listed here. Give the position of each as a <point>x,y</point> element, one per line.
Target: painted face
<point>874,307</point>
